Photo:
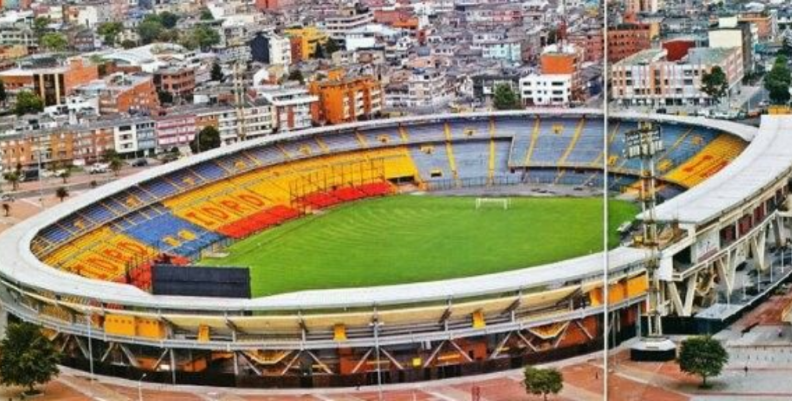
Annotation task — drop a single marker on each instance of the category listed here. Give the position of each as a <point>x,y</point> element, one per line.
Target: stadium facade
<point>83,269</point>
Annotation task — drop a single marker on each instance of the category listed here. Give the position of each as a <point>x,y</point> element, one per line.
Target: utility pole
<point>239,99</point>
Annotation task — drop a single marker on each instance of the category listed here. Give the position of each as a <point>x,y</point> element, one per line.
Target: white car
<point>99,168</point>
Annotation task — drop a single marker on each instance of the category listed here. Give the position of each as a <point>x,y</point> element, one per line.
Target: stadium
<point>360,245</point>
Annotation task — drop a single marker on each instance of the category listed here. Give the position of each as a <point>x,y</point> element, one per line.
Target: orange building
<point>51,84</point>
<point>343,99</point>
<point>59,145</point>
<point>765,27</point>
<point>563,60</point>
<point>122,93</point>
<point>179,81</point>
<point>627,39</point>
<point>591,42</point>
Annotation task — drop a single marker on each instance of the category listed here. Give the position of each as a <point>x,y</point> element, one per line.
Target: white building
<point>425,88</point>
<point>345,20</point>
<point>647,78</point>
<point>257,120</point>
<point>291,106</point>
<point>546,89</point>
<point>368,36</point>
<point>279,50</point>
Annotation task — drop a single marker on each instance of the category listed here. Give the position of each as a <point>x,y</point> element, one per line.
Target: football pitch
<point>413,238</point>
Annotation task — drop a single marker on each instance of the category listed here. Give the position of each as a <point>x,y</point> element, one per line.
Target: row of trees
<point>162,28</point>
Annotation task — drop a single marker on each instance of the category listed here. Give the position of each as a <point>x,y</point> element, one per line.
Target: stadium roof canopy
<point>763,163</point>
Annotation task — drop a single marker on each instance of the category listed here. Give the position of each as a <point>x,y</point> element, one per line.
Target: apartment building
<point>291,106</point>
<point>123,93</point>
<point>346,99</point>
<point>546,90</point>
<point>177,80</point>
<point>345,20</point>
<point>53,83</point>
<point>624,40</point>
<point>649,78</point>
<point>304,41</point>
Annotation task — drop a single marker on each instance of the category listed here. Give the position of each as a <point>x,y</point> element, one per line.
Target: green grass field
<point>410,238</point>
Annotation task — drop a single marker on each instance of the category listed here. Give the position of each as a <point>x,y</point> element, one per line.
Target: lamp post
<point>140,387</point>
<point>376,325</point>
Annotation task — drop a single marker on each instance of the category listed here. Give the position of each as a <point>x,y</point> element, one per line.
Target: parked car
<point>99,168</point>
<point>139,163</point>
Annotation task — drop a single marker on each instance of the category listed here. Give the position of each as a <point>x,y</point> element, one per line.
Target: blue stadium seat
<point>209,171</point>
<point>167,232</point>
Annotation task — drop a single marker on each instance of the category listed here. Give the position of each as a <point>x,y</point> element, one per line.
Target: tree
<point>165,97</point>
<point>128,44</point>
<point>320,51</point>
<point>715,84</point>
<point>41,26</point>
<point>3,94</point>
<point>27,358</point>
<point>330,47</point>
<point>7,209</point>
<point>206,139</point>
<point>217,72</point>
<point>206,15</point>
<point>703,356</point>
<point>543,381</point>
<point>296,75</point>
<point>65,174</point>
<point>168,19</point>
<point>112,158</point>
<point>14,177</point>
<point>150,29</point>
<point>505,98</point>
<point>778,81</point>
<point>27,102</point>
<point>62,193</point>
<point>54,41</point>
<point>200,36</point>
<point>116,165</point>
<point>109,31</point>
<point>786,46</point>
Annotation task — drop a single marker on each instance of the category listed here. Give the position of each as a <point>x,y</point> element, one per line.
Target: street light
<point>376,325</point>
<point>140,387</point>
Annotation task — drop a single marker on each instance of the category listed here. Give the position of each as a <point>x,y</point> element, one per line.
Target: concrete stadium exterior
<point>417,331</point>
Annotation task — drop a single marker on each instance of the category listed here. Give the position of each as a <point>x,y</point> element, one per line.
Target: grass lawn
<point>411,238</point>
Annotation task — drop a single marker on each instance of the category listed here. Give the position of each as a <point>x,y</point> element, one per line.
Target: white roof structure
<point>19,265</point>
<point>764,162</point>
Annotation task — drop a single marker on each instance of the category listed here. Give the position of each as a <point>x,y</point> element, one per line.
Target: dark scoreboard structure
<point>195,281</point>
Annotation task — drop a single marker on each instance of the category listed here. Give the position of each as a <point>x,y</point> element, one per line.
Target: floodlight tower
<point>644,144</point>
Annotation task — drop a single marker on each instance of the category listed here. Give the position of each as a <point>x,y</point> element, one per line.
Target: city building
<point>731,33</point>
<point>546,90</point>
<point>346,19</point>
<point>304,41</point>
<point>175,129</point>
<point>271,49</point>
<point>346,99</point>
<point>649,78</point>
<point>291,106</point>
<point>51,83</point>
<point>123,93</point>
<point>177,80</point>
<point>566,59</point>
<point>624,40</point>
